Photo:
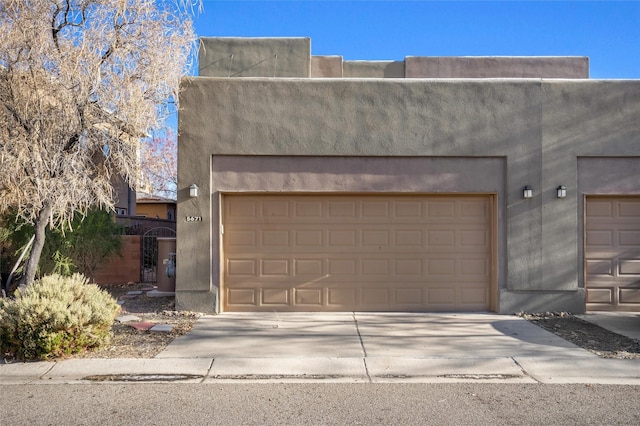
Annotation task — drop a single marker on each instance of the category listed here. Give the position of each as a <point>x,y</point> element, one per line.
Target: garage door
<point>612,253</point>
<point>356,253</point>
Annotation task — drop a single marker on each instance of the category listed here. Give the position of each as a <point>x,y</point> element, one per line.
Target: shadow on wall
<point>394,70</point>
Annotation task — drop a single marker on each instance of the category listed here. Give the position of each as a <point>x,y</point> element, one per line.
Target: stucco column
<point>524,219</point>
<point>194,288</point>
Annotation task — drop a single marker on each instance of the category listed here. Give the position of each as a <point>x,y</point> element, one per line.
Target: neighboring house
<point>152,206</point>
<point>431,184</point>
<point>125,198</point>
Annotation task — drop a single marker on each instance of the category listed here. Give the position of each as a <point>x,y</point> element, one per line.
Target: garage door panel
<point>474,296</point>
<point>275,238</point>
<point>342,267</point>
<point>629,237</point>
<point>375,209</point>
<point>474,237</point>
<point>373,268</point>
<point>309,238</point>
<point>342,297</point>
<point>341,209</point>
<point>342,238</point>
<point>629,267</point>
<point>245,238</point>
<point>441,296</point>
<point>242,267</point>
<point>378,253</point>
<point>379,239</point>
<point>242,209</point>
<point>599,208</point>
<point>411,238</point>
<point>599,267</point>
<point>307,209</point>
<point>274,267</point>
<point>439,268</point>
<point>630,296</point>
<point>442,238</point>
<point>612,253</point>
<point>275,208</point>
<point>629,209</point>
<point>408,267</point>
<point>475,268</point>
<point>441,209</point>
<point>314,267</point>
<point>473,211</point>
<point>242,296</point>
<point>274,296</point>
<point>408,296</point>
<point>374,296</point>
<point>599,237</point>
<point>309,296</point>
<point>600,295</point>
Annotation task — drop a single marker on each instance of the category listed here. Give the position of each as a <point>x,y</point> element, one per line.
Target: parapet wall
<point>291,57</point>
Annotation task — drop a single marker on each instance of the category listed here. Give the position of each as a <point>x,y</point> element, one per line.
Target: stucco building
<point>326,184</point>
<point>153,206</point>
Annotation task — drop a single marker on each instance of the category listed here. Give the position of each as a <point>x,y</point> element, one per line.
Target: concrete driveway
<point>381,347</point>
<point>353,348</point>
<point>369,335</point>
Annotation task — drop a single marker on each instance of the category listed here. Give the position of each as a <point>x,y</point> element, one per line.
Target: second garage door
<point>612,253</point>
<point>356,253</point>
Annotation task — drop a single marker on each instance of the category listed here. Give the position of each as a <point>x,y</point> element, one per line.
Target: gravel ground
<point>127,342</point>
<point>602,342</point>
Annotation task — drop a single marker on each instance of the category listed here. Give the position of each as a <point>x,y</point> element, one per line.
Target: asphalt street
<point>320,404</point>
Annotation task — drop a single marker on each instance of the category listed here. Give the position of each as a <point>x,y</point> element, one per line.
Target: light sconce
<point>562,191</point>
<point>193,191</point>
<point>527,192</point>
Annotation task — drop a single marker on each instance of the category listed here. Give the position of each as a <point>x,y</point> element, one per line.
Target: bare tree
<point>81,81</point>
<point>159,164</point>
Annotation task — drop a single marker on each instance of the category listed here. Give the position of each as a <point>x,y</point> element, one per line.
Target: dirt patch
<point>126,341</point>
<point>600,341</point>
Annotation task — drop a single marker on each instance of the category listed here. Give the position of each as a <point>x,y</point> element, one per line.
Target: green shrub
<point>56,316</point>
<point>82,247</point>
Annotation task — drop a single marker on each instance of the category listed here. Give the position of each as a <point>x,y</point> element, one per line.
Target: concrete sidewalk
<point>624,323</point>
<point>349,347</point>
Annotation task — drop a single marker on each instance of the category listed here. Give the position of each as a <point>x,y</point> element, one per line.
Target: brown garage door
<point>612,253</point>
<point>356,253</point>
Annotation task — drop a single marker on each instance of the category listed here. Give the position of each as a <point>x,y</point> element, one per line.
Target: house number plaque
<point>193,218</point>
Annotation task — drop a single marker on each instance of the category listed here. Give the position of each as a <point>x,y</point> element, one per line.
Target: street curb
<point>544,370</point>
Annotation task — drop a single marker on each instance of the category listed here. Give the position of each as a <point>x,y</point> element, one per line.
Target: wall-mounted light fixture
<point>562,191</point>
<point>527,192</point>
<point>193,191</point>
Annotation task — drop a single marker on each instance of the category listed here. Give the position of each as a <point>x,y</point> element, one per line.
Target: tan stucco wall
<point>326,66</point>
<point>497,67</point>
<point>538,127</point>
<point>454,67</point>
<point>373,69</point>
<point>254,57</point>
<point>158,210</point>
<point>291,57</point>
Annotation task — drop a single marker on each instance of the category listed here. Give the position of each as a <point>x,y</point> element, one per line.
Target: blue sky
<point>607,32</point>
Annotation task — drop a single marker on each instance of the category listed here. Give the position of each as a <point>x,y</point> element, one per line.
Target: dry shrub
<point>56,316</point>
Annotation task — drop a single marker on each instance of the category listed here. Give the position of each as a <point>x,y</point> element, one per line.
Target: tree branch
<point>25,125</point>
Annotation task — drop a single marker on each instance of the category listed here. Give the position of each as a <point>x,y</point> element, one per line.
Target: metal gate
<point>149,255</point>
